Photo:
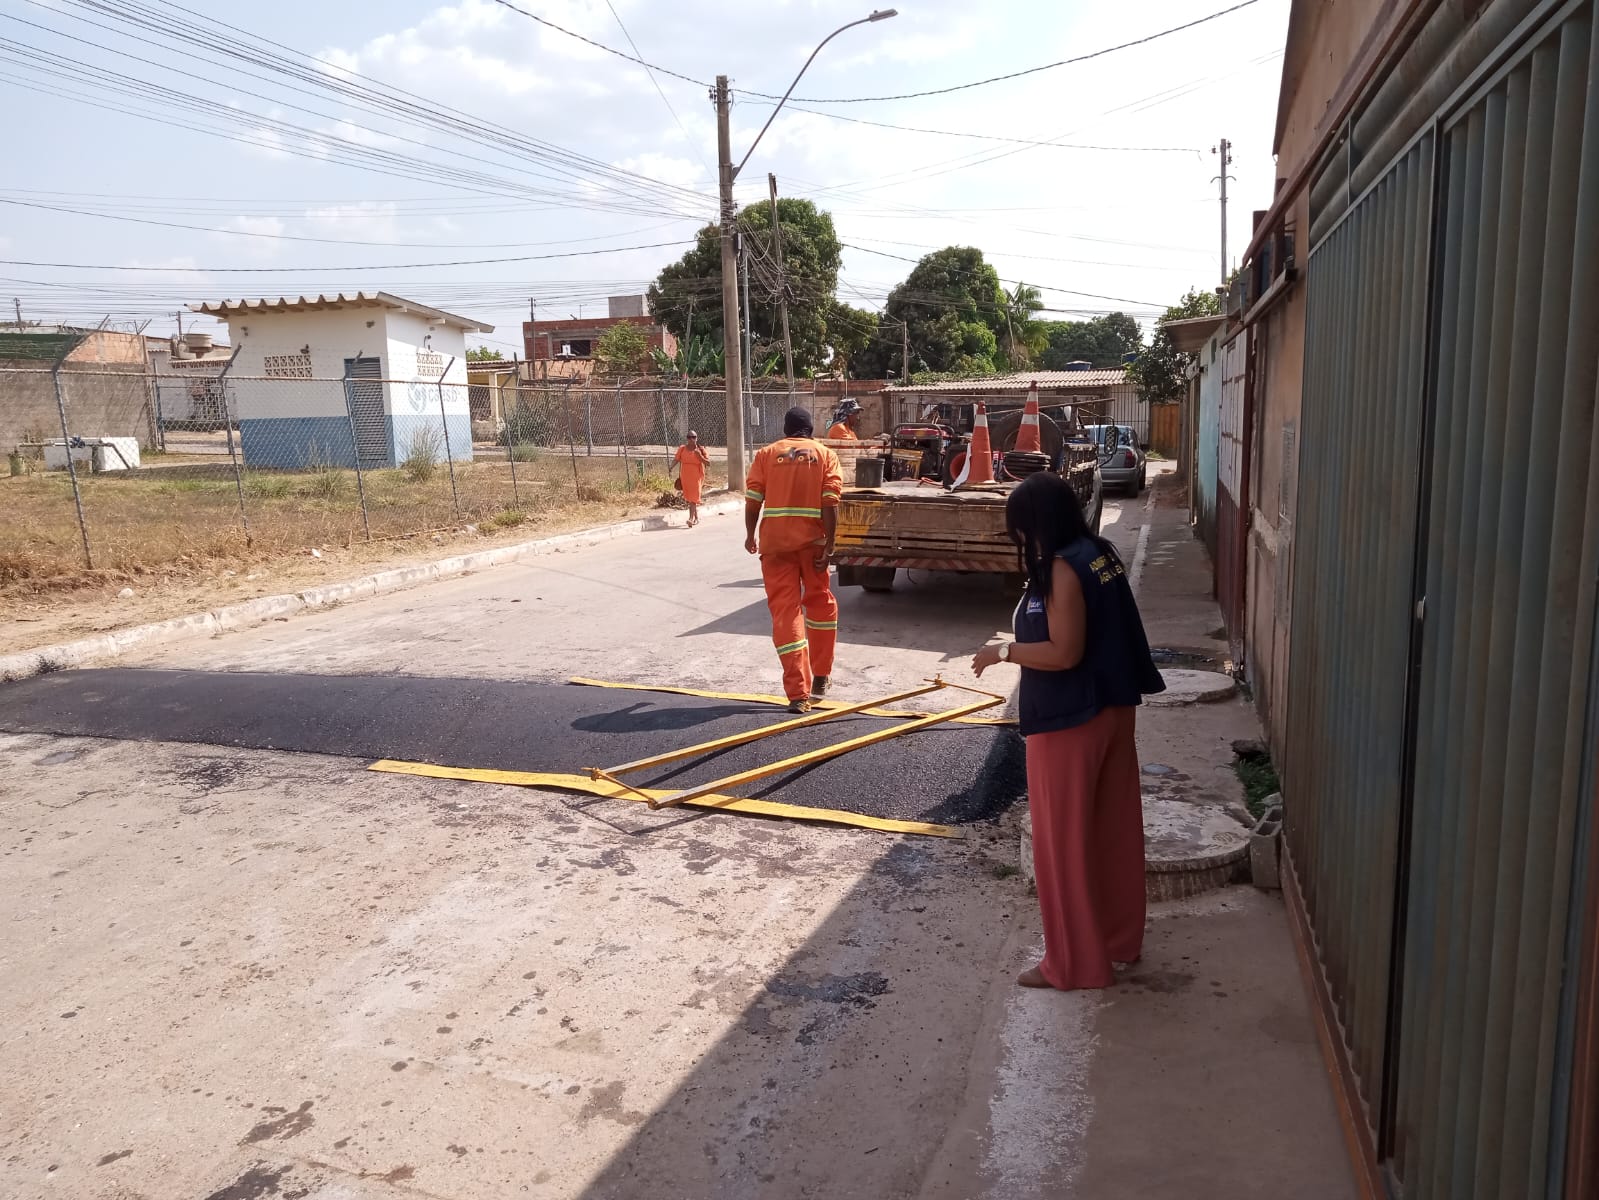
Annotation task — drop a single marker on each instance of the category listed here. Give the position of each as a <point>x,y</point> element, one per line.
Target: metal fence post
<point>449,455</point>
<point>227,420</point>
<point>588,418</point>
<point>621,435</point>
<point>510,436</point>
<point>72,470</point>
<point>571,441</point>
<point>355,445</point>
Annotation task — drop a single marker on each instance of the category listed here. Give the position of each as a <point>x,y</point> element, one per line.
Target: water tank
<point>198,343</point>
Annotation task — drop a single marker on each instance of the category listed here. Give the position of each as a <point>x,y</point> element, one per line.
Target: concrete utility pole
<point>782,288</point>
<point>1225,150</point>
<point>18,304</point>
<point>726,174</point>
<point>749,353</point>
<point>905,349</point>
<point>732,368</point>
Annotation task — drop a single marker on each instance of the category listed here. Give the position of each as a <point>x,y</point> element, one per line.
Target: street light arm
<point>880,15</point>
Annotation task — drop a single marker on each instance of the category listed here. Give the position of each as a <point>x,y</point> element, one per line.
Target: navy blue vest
<point>1116,669</point>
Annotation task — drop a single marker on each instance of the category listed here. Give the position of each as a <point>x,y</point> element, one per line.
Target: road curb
<point>247,613</point>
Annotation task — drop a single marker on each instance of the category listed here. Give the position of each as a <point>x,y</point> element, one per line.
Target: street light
<point>726,174</point>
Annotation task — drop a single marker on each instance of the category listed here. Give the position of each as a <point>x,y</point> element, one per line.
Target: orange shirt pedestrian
<point>691,463</point>
<point>841,432</point>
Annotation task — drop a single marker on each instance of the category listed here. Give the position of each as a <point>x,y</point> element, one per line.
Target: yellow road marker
<point>755,735</point>
<point>762,698</point>
<point>620,791</point>
<point>824,753</point>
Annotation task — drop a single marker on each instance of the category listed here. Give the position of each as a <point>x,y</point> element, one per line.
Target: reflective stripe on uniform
<point>751,494</point>
<point>792,647</point>
<point>810,624</point>
<point>794,512</point>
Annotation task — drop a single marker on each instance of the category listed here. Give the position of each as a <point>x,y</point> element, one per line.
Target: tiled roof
<point>1046,380</point>
<point>237,308</point>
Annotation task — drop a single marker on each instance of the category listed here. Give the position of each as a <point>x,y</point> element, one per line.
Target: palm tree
<point>1024,333</point>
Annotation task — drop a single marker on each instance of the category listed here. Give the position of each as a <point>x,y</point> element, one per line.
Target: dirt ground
<point>179,546</point>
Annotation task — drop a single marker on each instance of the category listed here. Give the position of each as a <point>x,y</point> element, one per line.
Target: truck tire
<point>876,579</point>
<point>848,575</point>
<point>1003,430</point>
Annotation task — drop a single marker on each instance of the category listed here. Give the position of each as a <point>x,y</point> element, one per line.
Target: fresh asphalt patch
<point>951,775</point>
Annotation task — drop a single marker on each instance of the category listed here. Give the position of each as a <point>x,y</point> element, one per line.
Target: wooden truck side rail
<point>919,527</point>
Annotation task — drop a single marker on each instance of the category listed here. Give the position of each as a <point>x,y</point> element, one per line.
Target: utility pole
<point>749,353</point>
<point>18,304</point>
<point>733,371</point>
<point>905,349</point>
<point>782,289</point>
<point>1225,150</point>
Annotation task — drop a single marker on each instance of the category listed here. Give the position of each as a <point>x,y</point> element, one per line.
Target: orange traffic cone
<point>1028,437</point>
<point>979,465</point>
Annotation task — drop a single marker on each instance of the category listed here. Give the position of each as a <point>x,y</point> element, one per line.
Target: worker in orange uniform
<point>846,423</point>
<point>691,462</point>
<point>792,495</point>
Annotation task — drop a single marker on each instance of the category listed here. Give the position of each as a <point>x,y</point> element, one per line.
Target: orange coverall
<point>793,481</point>
<point>841,432</point>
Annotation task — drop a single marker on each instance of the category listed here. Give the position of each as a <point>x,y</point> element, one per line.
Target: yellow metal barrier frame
<point>826,752</point>
<point>755,735</point>
<point>898,714</point>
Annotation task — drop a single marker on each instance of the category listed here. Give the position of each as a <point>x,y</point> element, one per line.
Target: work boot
<point>818,687</point>
<point>802,705</point>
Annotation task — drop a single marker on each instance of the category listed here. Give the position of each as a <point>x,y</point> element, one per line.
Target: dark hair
<point>797,423</point>
<point>1043,516</point>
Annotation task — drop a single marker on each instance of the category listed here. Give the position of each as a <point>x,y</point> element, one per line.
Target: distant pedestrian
<point>691,462</point>
<point>792,496</point>
<point>1085,666</point>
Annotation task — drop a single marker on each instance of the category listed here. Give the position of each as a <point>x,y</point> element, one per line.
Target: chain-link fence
<point>136,471</point>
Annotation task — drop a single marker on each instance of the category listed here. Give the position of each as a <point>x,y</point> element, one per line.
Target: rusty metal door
<point>1232,493</point>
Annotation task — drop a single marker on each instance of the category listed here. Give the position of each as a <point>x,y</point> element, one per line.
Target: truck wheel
<point>848,575</point>
<point>877,579</point>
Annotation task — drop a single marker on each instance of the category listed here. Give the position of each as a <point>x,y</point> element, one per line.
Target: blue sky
<point>535,143</point>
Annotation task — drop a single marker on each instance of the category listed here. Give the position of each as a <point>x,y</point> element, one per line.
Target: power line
<point>650,71</point>
<point>633,58</point>
<point>290,237</point>
<point>470,262</point>
<point>991,137</point>
<point>1002,279</point>
<point>961,87</point>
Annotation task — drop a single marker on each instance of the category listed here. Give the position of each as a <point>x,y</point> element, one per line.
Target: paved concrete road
<point>682,607</point>
<point>237,974</point>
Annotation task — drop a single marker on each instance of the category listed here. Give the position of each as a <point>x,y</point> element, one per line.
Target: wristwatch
<point>1004,652</point>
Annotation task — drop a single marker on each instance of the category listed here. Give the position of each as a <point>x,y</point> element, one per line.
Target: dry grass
<point>172,521</point>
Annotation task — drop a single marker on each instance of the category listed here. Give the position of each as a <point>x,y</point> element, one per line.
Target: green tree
<point>622,350</point>
<point>851,332</point>
<point>954,308</point>
<point>1104,342</point>
<point>811,258</point>
<point>481,354</point>
<point>1158,371</point>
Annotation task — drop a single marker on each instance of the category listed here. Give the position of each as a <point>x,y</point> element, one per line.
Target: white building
<point>310,370</point>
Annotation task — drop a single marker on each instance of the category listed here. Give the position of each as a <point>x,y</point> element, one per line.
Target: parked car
<point>1121,459</point>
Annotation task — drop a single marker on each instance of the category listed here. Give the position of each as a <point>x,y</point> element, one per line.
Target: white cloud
<point>366,221</point>
<point>663,168</point>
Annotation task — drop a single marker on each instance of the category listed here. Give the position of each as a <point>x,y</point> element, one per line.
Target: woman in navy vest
<point>1085,666</point>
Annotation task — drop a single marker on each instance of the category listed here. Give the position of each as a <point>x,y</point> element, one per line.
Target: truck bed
<point>918,526</point>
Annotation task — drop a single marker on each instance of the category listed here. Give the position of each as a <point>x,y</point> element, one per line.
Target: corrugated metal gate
<point>1232,491</point>
<point>1442,711</point>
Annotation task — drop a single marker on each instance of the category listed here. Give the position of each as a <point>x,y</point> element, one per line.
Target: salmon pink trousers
<point>1088,848</point>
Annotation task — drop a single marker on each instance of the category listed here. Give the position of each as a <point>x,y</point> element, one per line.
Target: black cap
<point>797,423</point>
